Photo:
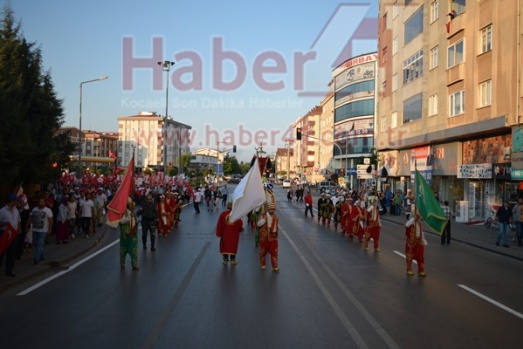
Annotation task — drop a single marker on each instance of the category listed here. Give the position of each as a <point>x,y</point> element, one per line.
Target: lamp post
<point>166,66</point>
<point>80,126</point>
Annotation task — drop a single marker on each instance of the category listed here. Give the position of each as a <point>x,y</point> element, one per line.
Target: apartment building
<point>158,142</point>
<point>306,151</point>
<point>450,95</point>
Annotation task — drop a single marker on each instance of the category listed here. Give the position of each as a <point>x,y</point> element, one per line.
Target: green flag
<point>428,206</point>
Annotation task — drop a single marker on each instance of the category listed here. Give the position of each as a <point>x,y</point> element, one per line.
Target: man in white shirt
<point>41,219</point>
<point>102,201</point>
<point>197,198</point>
<point>10,224</point>
<point>87,210</point>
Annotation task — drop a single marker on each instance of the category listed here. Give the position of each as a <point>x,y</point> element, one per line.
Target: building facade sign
<point>491,149</point>
<point>422,159</point>
<point>391,161</point>
<point>361,72</point>
<point>350,128</point>
<point>447,157</point>
<point>517,148</point>
<point>475,171</point>
<point>373,57</point>
<point>353,96</point>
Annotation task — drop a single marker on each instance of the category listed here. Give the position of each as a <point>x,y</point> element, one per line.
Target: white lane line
<point>71,268</point>
<point>490,300</point>
<point>337,309</point>
<point>402,255</point>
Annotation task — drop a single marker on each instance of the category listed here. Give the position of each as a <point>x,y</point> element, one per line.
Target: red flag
<point>117,206</point>
<point>112,155</point>
<point>7,237</point>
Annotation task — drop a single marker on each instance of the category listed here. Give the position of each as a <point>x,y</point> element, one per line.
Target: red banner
<point>7,237</point>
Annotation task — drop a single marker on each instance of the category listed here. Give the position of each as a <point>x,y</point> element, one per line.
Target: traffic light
<point>298,133</point>
<point>234,149</point>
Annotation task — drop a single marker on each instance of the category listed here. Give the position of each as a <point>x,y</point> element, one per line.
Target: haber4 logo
<point>306,72</point>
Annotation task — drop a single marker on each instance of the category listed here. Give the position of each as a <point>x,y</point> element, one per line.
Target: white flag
<point>249,193</point>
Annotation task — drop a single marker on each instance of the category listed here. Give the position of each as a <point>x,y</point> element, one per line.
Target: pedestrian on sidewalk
<point>449,214</point>
<point>415,244</point>
<point>229,234</point>
<point>62,221</point>
<point>197,198</point>
<point>517,217</point>
<point>268,236</point>
<point>504,217</point>
<point>72,211</point>
<point>9,224</point>
<point>41,220</point>
<point>128,236</point>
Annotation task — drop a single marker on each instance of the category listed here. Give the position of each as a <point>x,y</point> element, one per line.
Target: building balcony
<point>455,74</point>
<point>456,25</point>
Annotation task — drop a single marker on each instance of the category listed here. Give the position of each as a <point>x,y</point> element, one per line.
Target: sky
<point>244,70</point>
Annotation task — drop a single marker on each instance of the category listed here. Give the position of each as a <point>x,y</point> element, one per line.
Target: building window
<point>434,57</point>
<point>394,45</point>
<point>384,27</point>
<point>486,39</point>
<point>413,67</point>
<point>383,124</point>
<point>394,120</point>
<point>407,2</point>
<point>433,105</point>
<point>485,93</point>
<point>457,103</point>
<point>412,108</point>
<point>394,82</point>
<point>455,54</point>
<point>354,109</point>
<point>414,26</point>
<point>384,54</point>
<point>434,11</point>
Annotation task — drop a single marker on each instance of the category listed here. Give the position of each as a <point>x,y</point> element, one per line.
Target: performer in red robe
<point>414,244</point>
<point>372,231</point>
<point>268,237</point>
<point>177,211</point>
<point>345,216</point>
<point>352,219</point>
<point>229,234</point>
<point>164,212</point>
<point>360,221</point>
<point>172,202</point>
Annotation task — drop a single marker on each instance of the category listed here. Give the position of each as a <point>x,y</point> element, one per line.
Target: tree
<point>185,161</point>
<point>30,112</point>
<point>231,166</point>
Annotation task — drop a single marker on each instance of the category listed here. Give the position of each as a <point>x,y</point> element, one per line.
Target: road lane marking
<point>490,300</point>
<point>330,299</point>
<point>167,314</point>
<point>402,255</point>
<point>71,268</point>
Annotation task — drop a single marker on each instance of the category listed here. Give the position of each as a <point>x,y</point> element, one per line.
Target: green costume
<point>128,239</point>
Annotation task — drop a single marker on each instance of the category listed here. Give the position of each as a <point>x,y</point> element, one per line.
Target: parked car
<point>234,180</point>
<point>327,185</point>
<point>286,183</point>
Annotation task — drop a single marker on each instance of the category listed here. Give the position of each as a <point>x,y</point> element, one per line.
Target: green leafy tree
<point>185,161</point>
<point>231,166</point>
<point>30,112</point>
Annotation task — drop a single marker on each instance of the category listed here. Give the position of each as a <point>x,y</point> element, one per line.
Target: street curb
<point>463,242</point>
<point>52,265</point>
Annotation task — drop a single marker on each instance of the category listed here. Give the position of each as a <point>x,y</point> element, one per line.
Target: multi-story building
<point>355,104</point>
<point>284,161</point>
<point>450,96</point>
<point>305,151</point>
<point>95,146</point>
<point>158,142</point>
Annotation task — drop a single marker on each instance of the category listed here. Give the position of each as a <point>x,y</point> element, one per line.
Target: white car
<point>286,183</point>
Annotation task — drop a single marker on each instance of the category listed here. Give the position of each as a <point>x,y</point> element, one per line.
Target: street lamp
<point>166,66</point>
<point>80,126</point>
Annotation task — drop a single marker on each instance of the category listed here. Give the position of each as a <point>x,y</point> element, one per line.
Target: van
<point>327,185</point>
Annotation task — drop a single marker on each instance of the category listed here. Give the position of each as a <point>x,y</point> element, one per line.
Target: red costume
<point>229,234</point>
<point>360,221</point>
<point>164,212</point>
<point>268,239</point>
<point>414,248</point>
<point>373,228</point>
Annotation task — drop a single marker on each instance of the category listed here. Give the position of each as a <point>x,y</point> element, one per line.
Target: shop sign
<point>501,170</point>
<point>475,171</point>
<point>516,174</point>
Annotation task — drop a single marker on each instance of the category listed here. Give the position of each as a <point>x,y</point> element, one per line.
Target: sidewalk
<point>474,235</point>
<point>56,257</point>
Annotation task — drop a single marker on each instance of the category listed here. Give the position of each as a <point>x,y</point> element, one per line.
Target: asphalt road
<point>329,293</point>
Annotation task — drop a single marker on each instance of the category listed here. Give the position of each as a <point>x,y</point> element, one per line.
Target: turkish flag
<point>7,237</point>
<point>117,206</point>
